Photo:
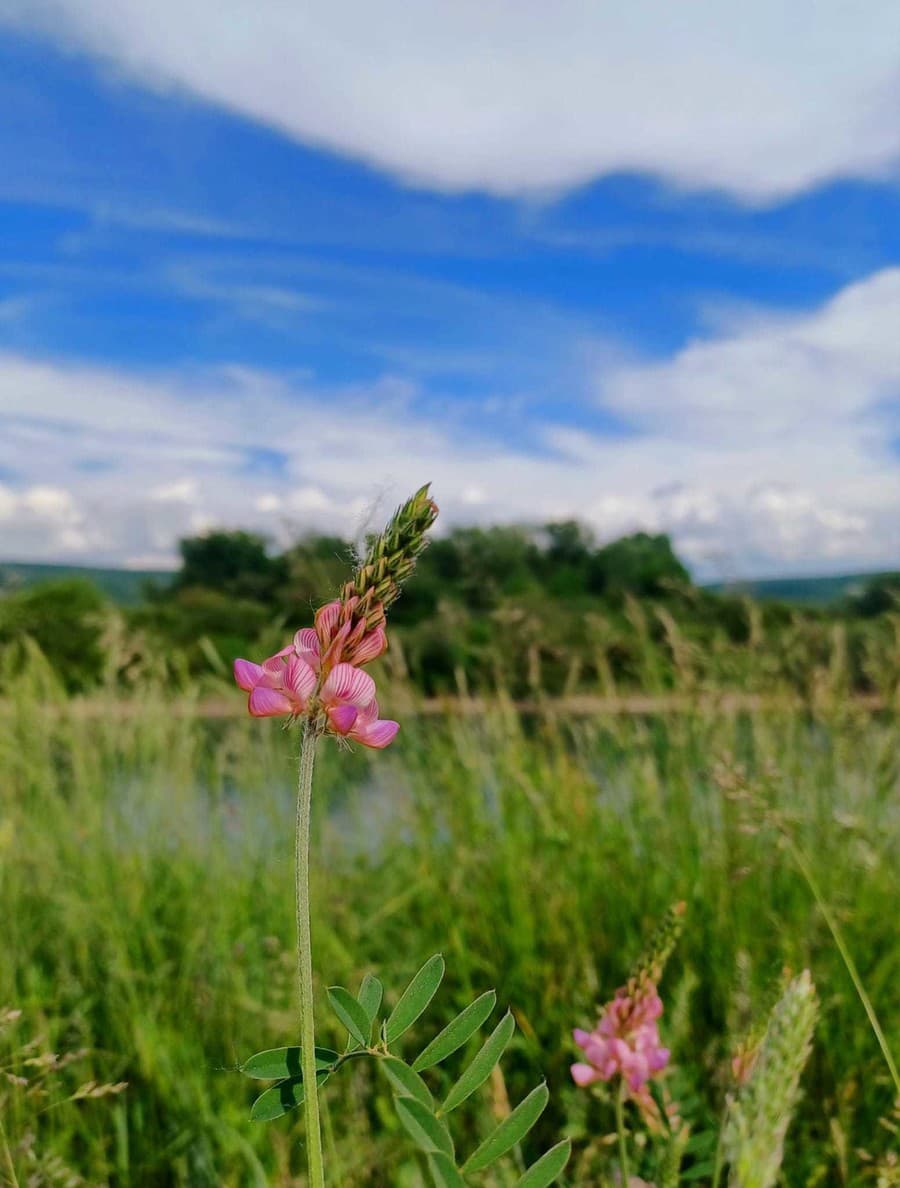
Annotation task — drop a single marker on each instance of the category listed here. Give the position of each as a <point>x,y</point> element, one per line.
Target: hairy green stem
<point>811,881</point>
<point>620,1131</point>
<point>314,1158</point>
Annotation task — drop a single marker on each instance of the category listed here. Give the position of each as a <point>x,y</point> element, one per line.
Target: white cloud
<point>762,449</point>
<point>511,96</point>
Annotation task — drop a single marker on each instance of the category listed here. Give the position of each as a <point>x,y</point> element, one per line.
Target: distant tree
<point>880,594</point>
<point>566,559</point>
<point>65,619</point>
<point>641,564</point>
<point>231,562</point>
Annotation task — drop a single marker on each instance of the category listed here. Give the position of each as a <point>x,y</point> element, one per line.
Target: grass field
<point>146,889</point>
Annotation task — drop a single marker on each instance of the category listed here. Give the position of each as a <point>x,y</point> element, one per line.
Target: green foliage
<point>413,1100</point>
<point>138,857</point>
<point>236,563</point>
<point>759,1118</point>
<point>415,998</point>
<point>457,1032</point>
<point>66,620</point>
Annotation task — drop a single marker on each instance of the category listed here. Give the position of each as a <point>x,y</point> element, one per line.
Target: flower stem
<point>620,1131</point>
<point>304,962</point>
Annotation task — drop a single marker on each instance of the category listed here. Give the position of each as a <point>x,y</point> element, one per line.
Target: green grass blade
<point>479,1070</point>
<point>443,1171</point>
<point>510,1131</point>
<point>406,1082</point>
<point>415,998</point>
<point>547,1168</point>
<point>278,1063</point>
<point>426,1131</point>
<point>279,1099</point>
<point>457,1032</point>
<point>350,1013</point>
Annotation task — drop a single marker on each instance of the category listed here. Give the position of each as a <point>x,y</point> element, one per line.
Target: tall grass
<point>146,899</point>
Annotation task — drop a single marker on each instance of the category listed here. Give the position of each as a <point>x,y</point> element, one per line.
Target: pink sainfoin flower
<point>625,1041</point>
<point>290,684</point>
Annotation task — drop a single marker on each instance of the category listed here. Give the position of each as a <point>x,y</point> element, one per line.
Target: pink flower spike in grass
<point>279,687</point>
<point>348,696</point>
<point>625,1042</point>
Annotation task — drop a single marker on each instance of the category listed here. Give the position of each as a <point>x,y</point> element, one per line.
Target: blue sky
<point>272,267</point>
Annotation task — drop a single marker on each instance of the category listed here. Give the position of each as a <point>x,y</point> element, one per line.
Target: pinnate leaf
<point>476,1073</point>
<point>405,1082</point>
<point>443,1171</point>
<point>423,1128</point>
<point>547,1168</point>
<point>278,1063</point>
<point>351,1014</point>
<point>457,1032</point>
<point>282,1097</point>
<point>510,1131</point>
<point>415,998</point>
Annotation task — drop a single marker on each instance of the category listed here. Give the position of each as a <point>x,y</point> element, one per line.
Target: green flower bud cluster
<point>759,1117</point>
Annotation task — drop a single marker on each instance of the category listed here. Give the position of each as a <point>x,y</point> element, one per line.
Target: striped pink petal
<point>370,647</point>
<point>247,674</point>
<point>327,619</point>
<point>299,679</point>
<point>306,645</point>
<point>343,718</point>
<point>269,703</point>
<point>348,684</point>
<point>277,662</point>
<point>376,734</point>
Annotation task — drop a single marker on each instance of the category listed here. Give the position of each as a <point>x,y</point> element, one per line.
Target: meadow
<point>146,859</point>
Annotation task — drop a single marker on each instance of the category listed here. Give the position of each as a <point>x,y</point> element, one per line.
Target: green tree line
<point>529,611</point>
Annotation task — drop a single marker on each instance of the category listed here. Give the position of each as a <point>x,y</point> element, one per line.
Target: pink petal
<point>247,674</point>
<point>348,684</point>
<point>343,718</point>
<point>377,734</point>
<point>277,662</point>
<point>269,703</point>
<point>370,647</point>
<point>327,618</point>
<point>582,1038</point>
<point>306,645</point>
<point>299,679</point>
<point>584,1075</point>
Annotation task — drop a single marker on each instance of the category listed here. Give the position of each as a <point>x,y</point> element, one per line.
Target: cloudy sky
<point>273,263</point>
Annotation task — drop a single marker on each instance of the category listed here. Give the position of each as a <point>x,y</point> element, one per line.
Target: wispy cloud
<point>761,449</point>
<point>512,97</point>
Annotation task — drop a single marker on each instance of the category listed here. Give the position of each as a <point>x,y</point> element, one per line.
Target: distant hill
<point>125,586</point>
<point>814,591</point>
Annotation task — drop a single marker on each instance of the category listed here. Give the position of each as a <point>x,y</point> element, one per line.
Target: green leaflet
<point>282,1097</point>
<point>415,998</point>
<point>278,1063</point>
<point>443,1171</point>
<point>370,995</point>
<point>474,1076</point>
<point>405,1082</point>
<point>424,1129</point>
<point>457,1032</point>
<point>351,1014</point>
<point>510,1131</point>
<point>547,1168</point>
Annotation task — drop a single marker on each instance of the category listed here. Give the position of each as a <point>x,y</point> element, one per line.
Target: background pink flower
<point>625,1042</point>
